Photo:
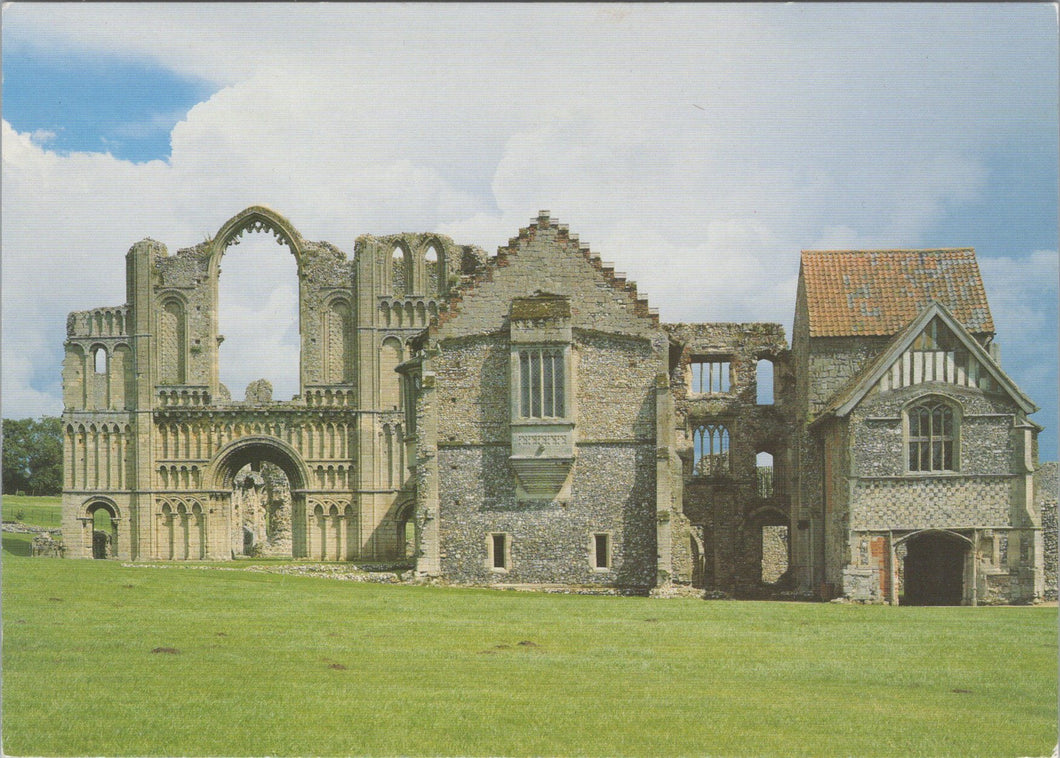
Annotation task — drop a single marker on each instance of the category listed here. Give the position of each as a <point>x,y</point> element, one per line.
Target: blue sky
<point>96,103</point>
<point>700,148</point>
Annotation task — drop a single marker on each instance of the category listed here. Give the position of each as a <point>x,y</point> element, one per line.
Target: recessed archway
<point>104,529</point>
<point>266,479</point>
<point>934,569</point>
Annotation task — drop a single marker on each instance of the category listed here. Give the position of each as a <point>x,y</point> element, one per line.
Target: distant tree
<point>33,455</point>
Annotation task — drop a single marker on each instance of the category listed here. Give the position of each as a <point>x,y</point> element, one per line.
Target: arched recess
<point>172,342</point>
<point>936,567</point>
<point>74,377</point>
<point>405,523</point>
<point>100,517</point>
<point>253,451</point>
<point>338,342</point>
<point>389,381</point>
<point>122,378</point>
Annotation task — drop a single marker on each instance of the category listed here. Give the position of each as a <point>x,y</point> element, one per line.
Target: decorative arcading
<point>99,322</point>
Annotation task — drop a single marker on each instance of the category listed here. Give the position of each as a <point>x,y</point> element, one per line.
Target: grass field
<point>100,659</point>
<point>39,511</point>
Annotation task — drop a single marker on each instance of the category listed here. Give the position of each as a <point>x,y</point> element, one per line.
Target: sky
<point>699,147</point>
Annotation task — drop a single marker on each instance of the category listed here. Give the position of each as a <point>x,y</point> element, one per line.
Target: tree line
<point>33,456</point>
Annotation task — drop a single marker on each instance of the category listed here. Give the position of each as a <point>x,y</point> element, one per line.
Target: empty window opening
<point>774,553</point>
<point>602,551</point>
<point>541,384</point>
<point>764,474</point>
<point>710,444</point>
<point>258,314</point>
<point>100,359</point>
<point>431,269</point>
<point>710,377</point>
<point>931,437</point>
<point>399,272</point>
<point>764,377</point>
<point>499,550</point>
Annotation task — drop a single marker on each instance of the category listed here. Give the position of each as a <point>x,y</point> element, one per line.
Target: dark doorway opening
<point>104,530</point>
<point>934,570</point>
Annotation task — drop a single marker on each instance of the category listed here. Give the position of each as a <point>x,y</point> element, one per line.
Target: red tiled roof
<point>878,292</point>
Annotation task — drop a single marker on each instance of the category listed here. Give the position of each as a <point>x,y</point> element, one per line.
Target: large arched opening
<point>102,520</point>
<point>933,569</point>
<point>258,302</point>
<point>266,480</point>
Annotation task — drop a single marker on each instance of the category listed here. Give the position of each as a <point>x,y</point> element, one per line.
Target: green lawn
<point>38,511</point>
<point>281,665</point>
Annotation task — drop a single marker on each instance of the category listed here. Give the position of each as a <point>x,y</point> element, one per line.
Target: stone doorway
<point>934,570</point>
<point>104,531</point>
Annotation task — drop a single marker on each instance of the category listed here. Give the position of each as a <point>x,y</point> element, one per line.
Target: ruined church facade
<point>526,419</point>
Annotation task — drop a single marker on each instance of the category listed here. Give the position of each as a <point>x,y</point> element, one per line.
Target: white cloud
<point>699,148</point>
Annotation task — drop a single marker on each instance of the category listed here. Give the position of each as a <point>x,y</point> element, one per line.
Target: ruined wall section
<point>468,488</point>
<point>728,502</point>
<point>1045,499</point>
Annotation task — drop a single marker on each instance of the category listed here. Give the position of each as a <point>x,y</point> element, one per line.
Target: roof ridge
<point>893,250</point>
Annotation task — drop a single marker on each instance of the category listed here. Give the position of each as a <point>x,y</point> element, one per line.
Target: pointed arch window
<point>710,447</point>
<point>932,436</point>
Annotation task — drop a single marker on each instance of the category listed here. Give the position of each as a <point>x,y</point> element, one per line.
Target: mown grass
<point>281,665</point>
<point>37,511</point>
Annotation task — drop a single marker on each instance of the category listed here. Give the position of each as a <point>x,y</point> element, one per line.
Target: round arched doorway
<point>264,480</point>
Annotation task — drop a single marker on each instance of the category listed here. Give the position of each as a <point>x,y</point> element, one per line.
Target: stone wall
<point>1045,498</point>
<point>726,511</point>
<point>612,492</point>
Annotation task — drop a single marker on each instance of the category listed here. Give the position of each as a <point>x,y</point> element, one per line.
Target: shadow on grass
<point>17,544</point>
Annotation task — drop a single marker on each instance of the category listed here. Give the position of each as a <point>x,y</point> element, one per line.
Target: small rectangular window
<point>711,377</point>
<point>500,551</point>
<point>602,551</point>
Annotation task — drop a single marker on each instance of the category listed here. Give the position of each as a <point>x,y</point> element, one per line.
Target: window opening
<point>764,474</point>
<point>258,315</point>
<point>430,261</point>
<point>710,444</point>
<point>541,384</point>
<point>710,377</point>
<point>764,377</point>
<point>500,545</point>
<point>931,437</point>
<point>602,551</point>
<point>100,358</point>
<point>399,272</point>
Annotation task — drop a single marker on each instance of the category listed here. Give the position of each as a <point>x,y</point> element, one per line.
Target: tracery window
<point>710,445</point>
<point>541,383</point>
<point>932,437</point>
